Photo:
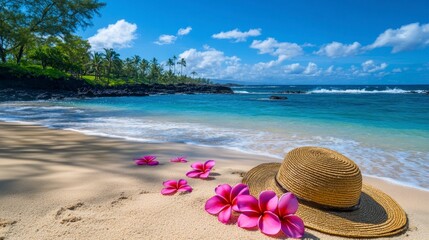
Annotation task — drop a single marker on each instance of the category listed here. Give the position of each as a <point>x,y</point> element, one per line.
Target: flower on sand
<point>146,160</point>
<point>180,159</point>
<point>270,214</point>
<point>172,186</point>
<point>201,170</point>
<point>225,201</point>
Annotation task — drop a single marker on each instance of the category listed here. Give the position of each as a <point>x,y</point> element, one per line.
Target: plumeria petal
<point>247,203</point>
<point>292,226</point>
<point>268,201</point>
<point>269,223</point>
<point>185,188</point>
<point>182,182</point>
<point>139,162</point>
<point>209,164</point>
<point>225,214</point>
<point>248,220</point>
<point>170,183</point>
<point>168,191</point>
<point>238,190</point>
<point>197,165</point>
<point>215,204</point>
<point>179,159</point>
<point>205,174</point>
<point>193,174</point>
<point>288,204</point>
<point>153,163</point>
<point>224,190</point>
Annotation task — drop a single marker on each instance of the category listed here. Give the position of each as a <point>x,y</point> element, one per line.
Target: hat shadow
<point>369,212</point>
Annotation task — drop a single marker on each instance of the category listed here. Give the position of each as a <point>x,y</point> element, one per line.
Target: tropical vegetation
<point>38,35</point>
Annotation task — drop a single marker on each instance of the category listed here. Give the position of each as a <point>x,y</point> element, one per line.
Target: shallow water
<point>385,129</point>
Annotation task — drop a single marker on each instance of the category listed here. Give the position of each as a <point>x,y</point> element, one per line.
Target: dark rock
<point>293,92</point>
<point>278,98</point>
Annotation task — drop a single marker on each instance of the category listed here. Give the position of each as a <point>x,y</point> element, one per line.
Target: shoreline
<point>274,157</point>
<point>64,184</point>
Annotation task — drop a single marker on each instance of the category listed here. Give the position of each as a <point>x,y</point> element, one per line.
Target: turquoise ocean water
<point>384,129</point>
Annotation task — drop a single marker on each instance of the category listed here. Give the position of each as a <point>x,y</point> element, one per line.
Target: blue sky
<point>283,42</point>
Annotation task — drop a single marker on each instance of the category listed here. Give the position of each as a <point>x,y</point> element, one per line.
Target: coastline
<point>60,183</point>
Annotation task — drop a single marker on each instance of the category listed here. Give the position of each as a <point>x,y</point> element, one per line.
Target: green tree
<point>22,20</point>
<point>76,54</point>
<point>170,64</point>
<point>135,66</point>
<point>155,71</point>
<point>174,64</point>
<point>144,68</point>
<point>110,57</point>
<point>182,64</point>
<point>96,65</point>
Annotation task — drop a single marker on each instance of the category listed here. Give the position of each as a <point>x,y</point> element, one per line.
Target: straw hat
<point>331,194</point>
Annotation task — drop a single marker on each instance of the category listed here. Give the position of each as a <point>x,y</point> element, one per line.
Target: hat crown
<point>322,176</point>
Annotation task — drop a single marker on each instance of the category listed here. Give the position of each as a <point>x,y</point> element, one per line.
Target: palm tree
<point>170,63</point>
<point>155,70</point>
<point>193,73</point>
<point>135,63</point>
<point>144,67</point>
<point>110,56</point>
<point>96,64</point>
<point>182,64</point>
<point>174,64</point>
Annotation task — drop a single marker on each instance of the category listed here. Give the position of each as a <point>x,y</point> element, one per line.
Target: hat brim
<point>378,214</point>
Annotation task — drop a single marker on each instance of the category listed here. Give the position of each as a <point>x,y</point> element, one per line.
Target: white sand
<point>58,184</point>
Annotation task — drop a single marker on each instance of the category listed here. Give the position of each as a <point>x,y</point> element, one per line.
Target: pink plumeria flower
<point>260,213</point>
<point>225,201</point>
<point>201,170</point>
<point>147,160</point>
<point>172,186</point>
<point>291,225</point>
<point>180,159</point>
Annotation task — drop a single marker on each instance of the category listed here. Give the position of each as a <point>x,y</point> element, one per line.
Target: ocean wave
<point>365,91</point>
<point>408,167</point>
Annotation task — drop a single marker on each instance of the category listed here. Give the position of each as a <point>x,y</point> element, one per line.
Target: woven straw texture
<point>378,215</point>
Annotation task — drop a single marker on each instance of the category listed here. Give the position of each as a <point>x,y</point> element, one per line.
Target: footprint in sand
<point>121,198</point>
<point>5,225</point>
<point>240,173</point>
<point>69,218</point>
<point>70,207</point>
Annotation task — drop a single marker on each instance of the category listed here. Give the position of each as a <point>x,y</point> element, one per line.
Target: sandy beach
<point>57,184</point>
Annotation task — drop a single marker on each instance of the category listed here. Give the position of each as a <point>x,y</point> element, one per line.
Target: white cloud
<point>211,63</point>
<point>282,50</point>
<point>407,37</point>
<point>370,66</point>
<point>295,68</point>
<point>330,69</point>
<point>237,35</point>
<point>184,31</point>
<point>118,35</point>
<point>336,49</point>
<point>166,39</point>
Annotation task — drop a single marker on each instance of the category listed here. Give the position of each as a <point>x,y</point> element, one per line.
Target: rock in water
<point>278,98</point>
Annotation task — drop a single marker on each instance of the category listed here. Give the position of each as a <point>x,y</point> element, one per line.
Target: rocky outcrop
<point>278,98</point>
<point>24,94</point>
